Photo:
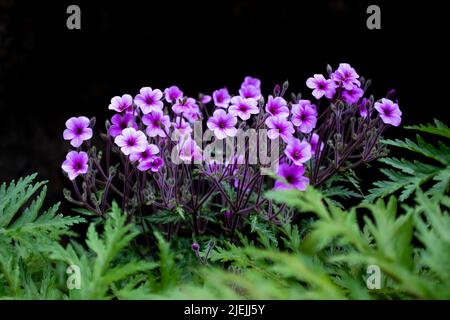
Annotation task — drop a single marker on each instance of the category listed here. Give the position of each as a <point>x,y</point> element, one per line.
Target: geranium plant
<point>167,156</point>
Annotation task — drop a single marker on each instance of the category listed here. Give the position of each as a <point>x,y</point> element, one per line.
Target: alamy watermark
<point>374,19</point>
<point>74,19</point>
<point>373,280</point>
<point>74,278</point>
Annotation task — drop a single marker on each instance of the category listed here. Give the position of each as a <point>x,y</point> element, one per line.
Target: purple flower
<point>293,176</point>
<point>157,124</point>
<point>322,87</point>
<point>304,116</point>
<point>279,127</point>
<point>195,246</point>
<point>298,152</point>
<point>149,100</point>
<point>222,124</point>
<point>314,143</point>
<point>277,107</point>
<point>131,141</point>
<point>120,122</point>
<point>154,163</point>
<point>181,127</point>
<point>150,150</point>
<point>346,76</point>
<point>221,98</point>
<point>193,115</point>
<point>352,96</point>
<point>77,131</point>
<point>120,104</point>
<point>243,107</point>
<point>362,106</point>
<point>249,81</point>
<point>188,150</point>
<point>250,92</point>
<point>204,98</point>
<point>173,94</point>
<point>76,163</point>
<point>184,105</point>
<point>389,112</point>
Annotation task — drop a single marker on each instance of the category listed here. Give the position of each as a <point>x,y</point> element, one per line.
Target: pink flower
<point>181,127</point>
<point>362,107</point>
<point>222,124</point>
<point>131,141</point>
<point>298,152</point>
<point>304,116</point>
<point>322,87</point>
<point>184,105</point>
<point>173,94</point>
<point>389,112</point>
<point>243,107</point>
<point>188,150</point>
<point>250,92</point>
<point>120,122</point>
<point>352,96</point>
<point>120,104</point>
<point>293,176</point>
<point>77,131</point>
<point>277,107</point>
<point>346,76</point>
<point>221,98</point>
<point>157,124</point>
<point>314,143</point>
<point>76,163</point>
<point>154,163</point>
<point>249,81</point>
<point>150,150</point>
<point>279,127</point>
<point>204,98</point>
<point>193,115</point>
<point>149,100</point>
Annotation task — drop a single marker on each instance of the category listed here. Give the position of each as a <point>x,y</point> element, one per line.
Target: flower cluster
<point>154,162</point>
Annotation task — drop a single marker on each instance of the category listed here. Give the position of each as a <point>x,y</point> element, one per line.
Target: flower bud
<point>67,194</point>
<point>367,85</point>
<point>329,70</point>
<point>195,246</point>
<point>276,90</point>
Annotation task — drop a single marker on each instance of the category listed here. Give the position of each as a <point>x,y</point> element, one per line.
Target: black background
<point>49,73</point>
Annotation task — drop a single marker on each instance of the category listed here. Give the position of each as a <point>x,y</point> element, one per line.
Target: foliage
<point>322,253</point>
<point>406,176</point>
<point>102,266</point>
<point>26,234</point>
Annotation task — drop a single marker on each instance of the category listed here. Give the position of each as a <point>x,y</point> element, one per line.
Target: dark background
<point>49,73</point>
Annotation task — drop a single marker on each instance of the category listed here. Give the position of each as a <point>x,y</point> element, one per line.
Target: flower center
<point>79,130</point>
<point>222,124</point>
<point>296,155</point>
<point>272,110</point>
<point>77,165</point>
<point>290,179</point>
<point>303,117</point>
<point>123,125</point>
<point>280,128</point>
<point>387,112</point>
<point>243,108</point>
<point>219,99</point>
<point>144,155</point>
<point>149,100</point>
<point>322,86</point>
<point>131,142</point>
